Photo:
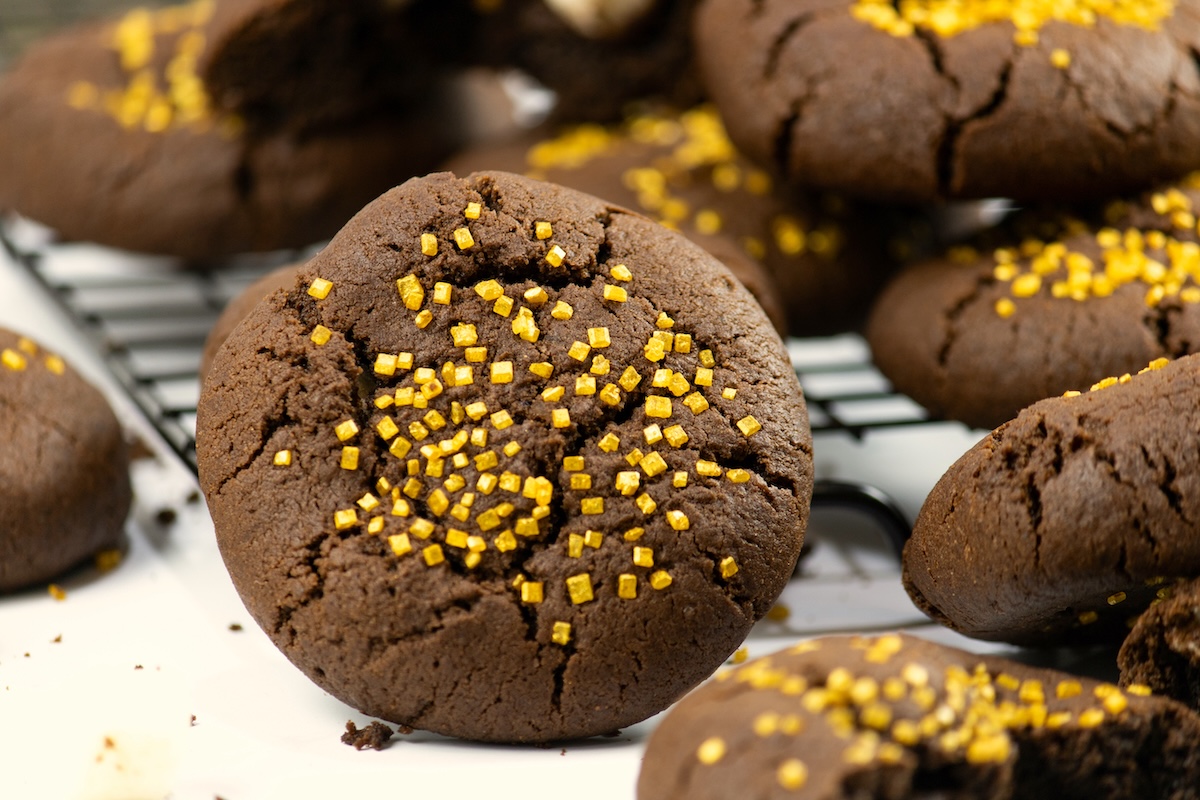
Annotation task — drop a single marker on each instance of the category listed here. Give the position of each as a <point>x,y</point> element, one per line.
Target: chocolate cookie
<point>925,100</point>
<point>597,55</point>
<point>108,133</point>
<point>824,257</point>
<point>64,463</point>
<point>1062,524</point>
<point>237,308</point>
<point>1162,650</point>
<point>977,336</point>
<point>897,717</point>
<point>508,463</point>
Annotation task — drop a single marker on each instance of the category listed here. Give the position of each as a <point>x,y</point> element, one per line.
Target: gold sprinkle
<point>433,555</point>
<point>543,369</point>
<point>1088,617</point>
<point>345,518</point>
<point>464,239</point>
<point>429,244</point>
<point>411,292</point>
<point>560,418</point>
<point>349,458</point>
<point>442,293</point>
<point>627,586</point>
<point>320,288</point>
<point>629,379</point>
<point>57,366</point>
<point>320,335</point>
<point>561,633</point>
<point>1060,58</point>
<point>579,588</point>
<point>659,407</point>
<point>609,442</point>
<point>543,230</point>
<point>562,311</point>
<point>615,294</point>
<point>633,534</point>
<point>283,458</point>
<point>728,567</point>
<point>697,403</point>
<point>423,319</point>
<point>532,592</point>
<point>643,557</point>
<point>646,504</point>
<point>489,289</point>
<point>678,520</point>
<point>555,256</point>
<point>711,750</point>
<point>1113,599</point>
<point>57,592</point>
<point>472,211</point>
<point>592,505</point>
<point>579,351</point>
<point>738,476</point>
<point>621,273</point>
<point>792,774</point>
<point>749,426</point>
<point>598,337</point>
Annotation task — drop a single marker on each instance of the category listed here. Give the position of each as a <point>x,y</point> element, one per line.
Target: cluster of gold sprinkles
<point>450,490</point>
<point>1166,265</point>
<point>1105,383</point>
<point>963,713</point>
<point>157,100</point>
<point>698,146</point>
<point>18,359</point>
<point>948,18</point>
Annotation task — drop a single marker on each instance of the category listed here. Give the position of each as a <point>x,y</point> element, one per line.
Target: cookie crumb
<point>375,736</point>
<point>235,627</point>
<point>56,639</point>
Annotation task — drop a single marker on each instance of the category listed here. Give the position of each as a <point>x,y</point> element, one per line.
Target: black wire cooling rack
<point>149,317</point>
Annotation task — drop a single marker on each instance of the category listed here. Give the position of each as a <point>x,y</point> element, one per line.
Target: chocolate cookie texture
<point>1063,524</point>
<point>815,259</point>
<point>64,464</point>
<point>897,717</point>
<point>1162,650</point>
<point>925,100</point>
<point>509,463</point>
<point>237,309</point>
<point>109,133</point>
<point>978,335</point>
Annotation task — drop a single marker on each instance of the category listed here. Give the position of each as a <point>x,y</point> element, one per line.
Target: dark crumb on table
<point>56,639</point>
<point>562,752</point>
<point>192,498</point>
<point>375,736</point>
<point>138,666</point>
<point>192,721</point>
<point>235,626</point>
<point>138,449</point>
<point>166,516</point>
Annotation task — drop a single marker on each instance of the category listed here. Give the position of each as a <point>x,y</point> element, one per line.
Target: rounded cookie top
<point>109,133</point>
<point>509,464</point>
<point>816,259</point>
<point>64,467</point>
<point>983,332</point>
<point>978,99</point>
<point>892,716</point>
<point>1063,524</point>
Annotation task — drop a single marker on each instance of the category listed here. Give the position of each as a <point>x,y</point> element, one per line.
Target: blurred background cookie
<point>1051,301</point>
<point>813,261</point>
<point>108,133</point>
<point>64,463</point>
<point>925,100</point>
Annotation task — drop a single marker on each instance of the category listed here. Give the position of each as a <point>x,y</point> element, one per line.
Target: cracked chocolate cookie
<point>64,467</point>
<point>814,262</point>
<point>507,463</point>
<point>109,133</point>
<point>923,100</point>
<point>897,717</point>
<point>1062,525</point>
<point>981,333</point>
<point>1162,650</point>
